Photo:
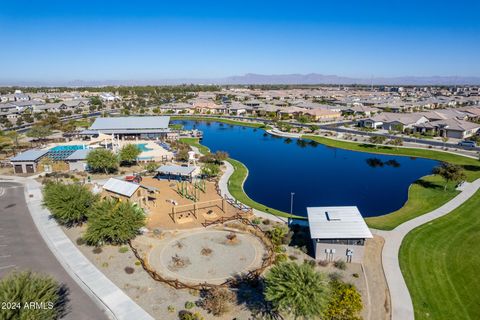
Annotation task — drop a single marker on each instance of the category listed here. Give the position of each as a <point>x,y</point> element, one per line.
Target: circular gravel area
<point>206,255</point>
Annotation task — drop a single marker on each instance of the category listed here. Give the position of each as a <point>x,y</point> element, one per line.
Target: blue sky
<point>149,40</point>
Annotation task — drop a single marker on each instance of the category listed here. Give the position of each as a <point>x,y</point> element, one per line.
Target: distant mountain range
<point>262,79</point>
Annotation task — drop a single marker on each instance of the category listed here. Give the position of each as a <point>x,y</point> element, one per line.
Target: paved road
<point>402,306</point>
<point>22,247</point>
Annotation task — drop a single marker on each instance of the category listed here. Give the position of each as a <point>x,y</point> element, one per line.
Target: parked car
<point>467,143</point>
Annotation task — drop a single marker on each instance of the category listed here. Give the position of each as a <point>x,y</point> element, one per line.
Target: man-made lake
<point>317,174</point>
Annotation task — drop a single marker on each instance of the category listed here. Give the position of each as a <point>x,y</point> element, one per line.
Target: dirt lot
<point>377,284</point>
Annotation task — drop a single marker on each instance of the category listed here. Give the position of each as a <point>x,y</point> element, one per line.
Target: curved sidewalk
<point>402,306</point>
<point>223,185</point>
<point>105,293</point>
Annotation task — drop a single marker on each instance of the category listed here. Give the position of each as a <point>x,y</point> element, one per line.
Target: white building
<point>338,233</point>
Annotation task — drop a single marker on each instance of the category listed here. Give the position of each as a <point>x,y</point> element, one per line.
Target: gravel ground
<point>153,296</point>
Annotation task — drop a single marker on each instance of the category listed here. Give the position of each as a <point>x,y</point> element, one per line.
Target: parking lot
<point>22,248</point>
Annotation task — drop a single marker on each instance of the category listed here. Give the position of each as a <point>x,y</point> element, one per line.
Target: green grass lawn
<point>440,261</point>
<point>235,186</point>
<point>84,123</point>
<point>424,195</point>
<point>218,119</point>
<point>195,143</point>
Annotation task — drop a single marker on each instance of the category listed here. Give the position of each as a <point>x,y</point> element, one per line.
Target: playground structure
<point>184,211</point>
<point>190,190</point>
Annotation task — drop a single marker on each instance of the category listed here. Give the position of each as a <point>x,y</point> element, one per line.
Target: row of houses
<point>14,110</point>
<point>315,111</point>
<point>450,123</point>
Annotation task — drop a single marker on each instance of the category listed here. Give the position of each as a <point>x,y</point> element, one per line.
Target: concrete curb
<point>115,303</point>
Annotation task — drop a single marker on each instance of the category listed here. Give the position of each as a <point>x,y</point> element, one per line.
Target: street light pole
<point>291,201</point>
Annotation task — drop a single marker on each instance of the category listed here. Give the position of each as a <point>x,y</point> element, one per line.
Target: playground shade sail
<point>175,170</point>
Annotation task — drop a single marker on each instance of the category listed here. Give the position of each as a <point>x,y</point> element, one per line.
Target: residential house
<point>208,107</point>
<point>393,121</point>
<point>449,128</point>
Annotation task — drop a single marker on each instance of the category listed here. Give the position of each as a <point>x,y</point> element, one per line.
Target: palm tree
<point>297,290</point>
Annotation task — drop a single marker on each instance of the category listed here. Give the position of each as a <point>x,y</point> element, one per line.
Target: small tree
<point>345,302</point>
<point>151,167</point>
<point>113,222</point>
<point>297,290</point>
<point>39,132</point>
<point>26,287</point>
<point>450,172</point>
<point>68,203</point>
<point>396,142</point>
<point>377,140</point>
<point>278,234</point>
<point>129,153</point>
<point>102,160</point>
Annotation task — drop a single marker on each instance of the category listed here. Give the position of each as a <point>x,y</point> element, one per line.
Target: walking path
<point>223,185</point>
<point>103,291</point>
<point>402,306</point>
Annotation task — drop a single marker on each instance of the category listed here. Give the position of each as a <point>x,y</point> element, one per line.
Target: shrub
<point>355,275</point>
<point>278,234</point>
<point>97,250</point>
<point>266,222</point>
<point>217,301</point>
<point>25,287</point>
<point>293,257</point>
<point>256,221</point>
<point>345,302</point>
<point>335,276</point>
<point>189,305</point>
<point>171,309</point>
<point>187,315</point>
<point>280,258</point>
<point>80,241</point>
<point>138,263</point>
<point>312,263</point>
<point>129,270</point>
<point>68,203</point>
<point>123,249</point>
<point>340,264</point>
<point>323,263</point>
<point>114,222</point>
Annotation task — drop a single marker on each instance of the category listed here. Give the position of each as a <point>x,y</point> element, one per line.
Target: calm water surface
<point>317,174</point>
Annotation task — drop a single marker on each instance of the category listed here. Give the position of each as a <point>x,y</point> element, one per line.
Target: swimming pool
<point>143,147</point>
<point>68,148</point>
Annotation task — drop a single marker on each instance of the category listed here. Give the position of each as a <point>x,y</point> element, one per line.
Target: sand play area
<point>206,255</point>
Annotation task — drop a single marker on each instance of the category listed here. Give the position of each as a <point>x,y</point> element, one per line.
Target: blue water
<point>317,174</point>
<point>143,147</point>
<point>68,148</point>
